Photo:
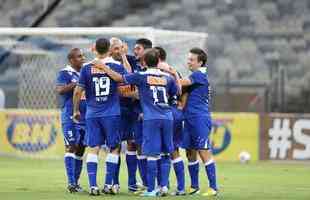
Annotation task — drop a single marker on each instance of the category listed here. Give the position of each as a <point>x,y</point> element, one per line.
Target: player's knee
<point>175,154</point>
<point>70,149</point>
<point>131,146</point>
<point>191,155</point>
<point>94,150</point>
<point>205,155</point>
<point>80,150</point>
<point>115,150</point>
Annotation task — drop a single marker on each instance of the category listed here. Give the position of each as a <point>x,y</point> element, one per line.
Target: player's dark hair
<point>202,55</point>
<point>162,53</point>
<point>102,45</point>
<point>146,43</point>
<point>72,52</point>
<point>150,57</point>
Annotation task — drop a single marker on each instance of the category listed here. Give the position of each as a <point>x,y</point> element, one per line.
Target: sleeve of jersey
<point>62,78</point>
<point>82,79</point>
<point>173,89</point>
<point>121,69</point>
<point>132,78</point>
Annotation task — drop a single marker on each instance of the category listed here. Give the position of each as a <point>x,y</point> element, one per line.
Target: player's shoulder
<point>67,70</point>
<point>199,74</point>
<point>154,72</point>
<point>87,65</point>
<point>112,63</point>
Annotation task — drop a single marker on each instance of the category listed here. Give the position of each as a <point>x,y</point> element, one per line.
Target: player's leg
<point>80,149</point>
<point>178,166</point>
<point>141,159</point>
<point>193,169</point>
<point>94,139</point>
<point>92,165</point>
<point>127,129</point>
<point>132,165</point>
<point>191,154</point>
<point>202,129</point>
<point>166,148</point>
<point>177,161</point>
<point>152,149</point>
<point>113,139</point>
<point>69,157</point>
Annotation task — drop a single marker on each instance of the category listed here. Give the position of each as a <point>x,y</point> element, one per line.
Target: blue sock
<point>116,178</point>
<point>211,173</point>
<point>70,167</point>
<point>131,160</point>
<point>142,164</point>
<point>92,162</point>
<point>111,167</point>
<point>151,173</point>
<point>78,167</point>
<point>193,168</point>
<point>178,166</point>
<point>158,176</point>
<point>165,165</point>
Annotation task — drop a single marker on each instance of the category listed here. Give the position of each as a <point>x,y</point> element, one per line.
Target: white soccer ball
<point>244,157</point>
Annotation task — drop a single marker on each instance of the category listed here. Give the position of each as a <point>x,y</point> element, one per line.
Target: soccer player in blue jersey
<point>118,51</point>
<point>197,126</point>
<point>73,132</point>
<point>155,87</point>
<point>177,113</point>
<point>135,61</point>
<point>102,115</point>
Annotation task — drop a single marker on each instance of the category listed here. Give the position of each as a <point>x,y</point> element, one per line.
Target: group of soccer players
<point>142,100</point>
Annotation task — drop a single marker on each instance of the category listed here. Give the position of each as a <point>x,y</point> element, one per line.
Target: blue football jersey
<point>198,96</point>
<point>155,88</point>
<point>136,67</point>
<point>66,76</point>
<point>102,99</point>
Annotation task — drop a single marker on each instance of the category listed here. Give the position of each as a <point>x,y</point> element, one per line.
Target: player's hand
<point>166,68</point>
<point>98,64</point>
<point>76,117</point>
<point>163,66</point>
<point>124,49</point>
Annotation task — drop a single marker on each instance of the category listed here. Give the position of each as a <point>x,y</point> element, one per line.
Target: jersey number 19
<point>102,86</point>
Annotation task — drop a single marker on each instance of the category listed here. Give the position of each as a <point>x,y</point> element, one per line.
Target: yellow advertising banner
<point>233,133</point>
<point>38,134</point>
<point>31,133</point>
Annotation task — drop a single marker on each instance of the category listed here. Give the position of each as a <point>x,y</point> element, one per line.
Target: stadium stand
<point>249,30</point>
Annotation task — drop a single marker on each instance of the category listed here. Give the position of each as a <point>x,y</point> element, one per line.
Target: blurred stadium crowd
<point>247,38</point>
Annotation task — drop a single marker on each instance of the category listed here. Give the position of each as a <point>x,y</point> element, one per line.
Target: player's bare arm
<point>124,52</point>
<point>76,103</point>
<point>185,82</point>
<point>112,74</point>
<point>62,89</point>
<point>167,68</point>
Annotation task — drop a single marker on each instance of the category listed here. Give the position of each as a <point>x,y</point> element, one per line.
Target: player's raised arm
<point>112,74</point>
<point>124,52</point>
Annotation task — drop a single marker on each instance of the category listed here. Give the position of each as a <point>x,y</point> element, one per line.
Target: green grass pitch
<point>44,179</point>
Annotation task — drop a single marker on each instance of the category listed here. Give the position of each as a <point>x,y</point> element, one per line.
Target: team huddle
<point>142,100</point>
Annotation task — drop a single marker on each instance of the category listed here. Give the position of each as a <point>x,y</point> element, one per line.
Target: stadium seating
<point>241,32</point>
